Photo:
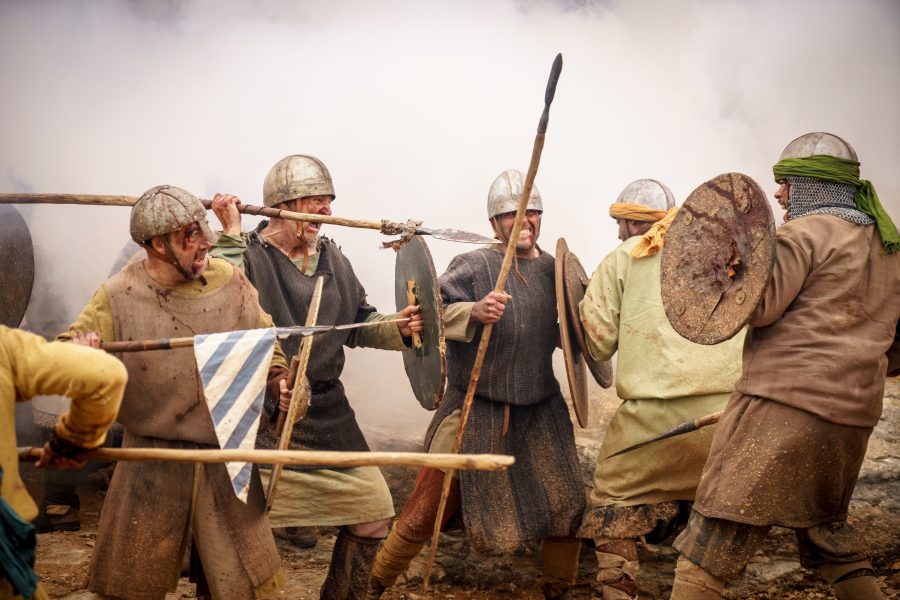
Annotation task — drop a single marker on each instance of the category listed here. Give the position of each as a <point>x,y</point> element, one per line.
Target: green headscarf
<point>842,170</point>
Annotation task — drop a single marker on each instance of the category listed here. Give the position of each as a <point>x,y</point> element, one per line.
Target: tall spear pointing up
<point>501,284</point>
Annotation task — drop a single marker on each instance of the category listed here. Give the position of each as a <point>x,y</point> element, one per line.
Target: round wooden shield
<point>575,368</point>
<point>426,366</point>
<point>576,282</point>
<point>717,258</point>
<point>16,266</point>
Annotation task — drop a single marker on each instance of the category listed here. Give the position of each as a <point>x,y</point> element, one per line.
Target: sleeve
<point>600,309</point>
<point>231,248</point>
<point>383,337</point>
<point>96,316</point>
<point>458,325</point>
<point>93,379</point>
<point>457,283</point>
<point>789,272</point>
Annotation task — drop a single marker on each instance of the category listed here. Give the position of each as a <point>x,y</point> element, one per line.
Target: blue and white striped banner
<point>233,367</point>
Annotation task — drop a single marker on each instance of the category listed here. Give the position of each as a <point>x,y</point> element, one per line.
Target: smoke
<point>416,107</point>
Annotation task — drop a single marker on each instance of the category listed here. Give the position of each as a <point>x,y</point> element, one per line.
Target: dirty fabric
<point>285,292</point>
<point>772,464</point>
<point>541,495</point>
<point>724,548</point>
<point>143,559</point>
<point>663,379</point>
<point>341,497</point>
<point>820,335</point>
<point>654,522</point>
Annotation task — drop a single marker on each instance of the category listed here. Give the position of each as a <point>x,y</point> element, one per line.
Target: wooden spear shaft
<point>687,427</point>
<point>478,462</point>
<point>511,245</point>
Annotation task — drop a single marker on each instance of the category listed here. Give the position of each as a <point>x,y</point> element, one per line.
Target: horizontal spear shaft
<point>280,332</point>
<point>386,227</point>
<point>478,462</point>
<point>687,427</point>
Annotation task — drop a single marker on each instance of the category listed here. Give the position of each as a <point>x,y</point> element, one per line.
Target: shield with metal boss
<point>416,282</point>
<point>16,266</point>
<point>717,258</point>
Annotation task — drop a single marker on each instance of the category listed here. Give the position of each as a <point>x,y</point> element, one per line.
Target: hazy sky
<point>416,106</point>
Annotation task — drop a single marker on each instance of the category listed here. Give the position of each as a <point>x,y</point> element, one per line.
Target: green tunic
<point>663,380</point>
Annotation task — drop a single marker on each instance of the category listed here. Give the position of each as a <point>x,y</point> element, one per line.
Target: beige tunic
<point>663,380</point>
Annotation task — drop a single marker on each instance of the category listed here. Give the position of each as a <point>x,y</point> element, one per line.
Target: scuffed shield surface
<point>717,258</point>
<point>576,282</point>
<point>16,266</point>
<point>426,367</point>
<point>576,373</point>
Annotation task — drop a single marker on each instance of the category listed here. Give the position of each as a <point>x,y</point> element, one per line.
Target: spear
<point>501,284</point>
<point>478,462</point>
<point>280,332</point>
<point>686,427</point>
<point>384,226</point>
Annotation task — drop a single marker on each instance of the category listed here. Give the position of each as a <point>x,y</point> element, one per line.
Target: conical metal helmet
<point>819,142</point>
<point>506,193</point>
<point>164,209</point>
<point>297,176</point>
<point>648,192</point>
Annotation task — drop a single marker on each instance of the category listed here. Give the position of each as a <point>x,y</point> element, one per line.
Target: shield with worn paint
<point>717,258</point>
<point>416,283</point>
<point>576,282</point>
<point>16,266</point>
<point>576,373</point>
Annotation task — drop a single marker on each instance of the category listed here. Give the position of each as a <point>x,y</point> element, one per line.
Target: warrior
<point>153,510</point>
<point>518,410</point>
<point>31,366</point>
<point>789,446</point>
<point>284,259</point>
<point>662,380</point>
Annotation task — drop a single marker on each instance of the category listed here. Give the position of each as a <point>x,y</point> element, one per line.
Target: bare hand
<point>53,461</point>
<point>414,325</point>
<point>225,207</point>
<point>284,396</point>
<point>90,339</point>
<point>490,308</point>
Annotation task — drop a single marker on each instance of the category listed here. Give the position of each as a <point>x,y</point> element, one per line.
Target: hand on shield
<point>284,395</point>
<point>490,308</point>
<point>414,314</point>
<point>225,207</point>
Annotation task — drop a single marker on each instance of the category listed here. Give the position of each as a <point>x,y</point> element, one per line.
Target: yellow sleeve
<point>96,316</point>
<point>458,325</point>
<point>93,379</point>
<point>278,359</point>
<point>601,306</point>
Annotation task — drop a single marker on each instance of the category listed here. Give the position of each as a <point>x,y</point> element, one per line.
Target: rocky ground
<point>460,573</point>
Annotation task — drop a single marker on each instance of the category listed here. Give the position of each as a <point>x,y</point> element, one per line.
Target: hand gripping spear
<point>384,226</point>
<point>501,284</point>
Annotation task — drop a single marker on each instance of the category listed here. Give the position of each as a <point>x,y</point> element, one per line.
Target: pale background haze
<point>415,107</point>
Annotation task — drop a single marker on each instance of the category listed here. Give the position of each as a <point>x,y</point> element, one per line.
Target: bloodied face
<point>528,235</point>
<point>317,205</point>
<point>189,248</point>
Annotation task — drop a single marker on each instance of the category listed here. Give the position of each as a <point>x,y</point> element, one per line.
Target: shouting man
<point>283,259</point>
<point>517,409</point>
<point>790,444</point>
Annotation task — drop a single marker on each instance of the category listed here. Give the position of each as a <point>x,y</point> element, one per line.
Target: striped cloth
<point>233,367</point>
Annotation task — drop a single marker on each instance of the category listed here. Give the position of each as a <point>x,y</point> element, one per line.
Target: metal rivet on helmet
<point>506,193</point>
<point>297,176</point>
<point>164,209</point>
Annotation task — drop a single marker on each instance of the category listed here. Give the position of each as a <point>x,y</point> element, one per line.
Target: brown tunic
<point>790,444</point>
<point>143,525</point>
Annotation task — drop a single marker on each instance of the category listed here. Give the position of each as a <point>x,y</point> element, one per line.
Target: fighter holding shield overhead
<point>283,259</point>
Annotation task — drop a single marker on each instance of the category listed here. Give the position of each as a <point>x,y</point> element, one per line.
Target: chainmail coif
<point>811,196</point>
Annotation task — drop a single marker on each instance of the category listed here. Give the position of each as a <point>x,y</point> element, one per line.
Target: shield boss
<point>426,367</point>
<point>576,373</point>
<point>717,258</point>
<point>16,266</point>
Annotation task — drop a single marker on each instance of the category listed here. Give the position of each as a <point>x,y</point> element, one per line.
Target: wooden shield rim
<point>758,261</point>
<point>411,357</point>
<point>575,367</point>
<point>601,370</point>
<point>21,248</point>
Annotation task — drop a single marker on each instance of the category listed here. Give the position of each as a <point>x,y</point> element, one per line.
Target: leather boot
<point>694,583</point>
<point>852,581</point>
<point>350,568</point>
<point>560,561</point>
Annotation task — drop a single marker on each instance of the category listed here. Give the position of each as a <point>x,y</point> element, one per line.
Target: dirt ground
<point>460,573</point>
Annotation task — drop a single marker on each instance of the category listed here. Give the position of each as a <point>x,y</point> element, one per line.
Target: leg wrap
<point>560,558</point>
<point>394,557</point>
<point>617,568</point>
<point>852,581</point>
<point>350,568</point>
<point>693,583</point>
<point>416,520</point>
